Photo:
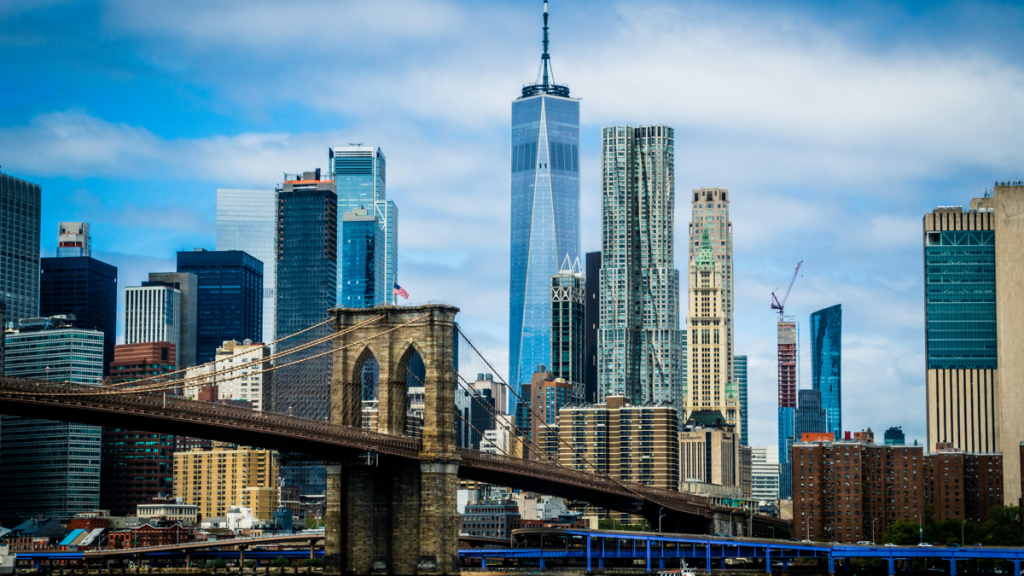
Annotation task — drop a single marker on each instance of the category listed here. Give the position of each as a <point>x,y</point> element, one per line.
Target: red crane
<point>776,304</point>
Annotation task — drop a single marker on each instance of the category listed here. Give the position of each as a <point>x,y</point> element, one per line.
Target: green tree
<point>315,562</point>
<point>902,532</point>
<point>1003,527</point>
<point>280,562</point>
<point>249,564</point>
<point>215,564</point>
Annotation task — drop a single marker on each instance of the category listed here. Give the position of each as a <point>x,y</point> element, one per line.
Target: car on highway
<point>925,545</point>
<point>891,544</point>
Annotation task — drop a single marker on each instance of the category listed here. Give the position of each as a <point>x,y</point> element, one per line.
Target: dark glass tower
<point>230,302</point>
<point>307,287</point>
<point>826,363</point>
<point>87,288</point>
<point>593,320</point>
<point>545,211</point>
<point>20,203</point>
<point>362,262</point>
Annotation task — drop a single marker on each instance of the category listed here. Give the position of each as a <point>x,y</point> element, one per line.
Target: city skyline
<point>148,187</point>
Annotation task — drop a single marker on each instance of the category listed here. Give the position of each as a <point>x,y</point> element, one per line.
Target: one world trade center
<point>545,211</point>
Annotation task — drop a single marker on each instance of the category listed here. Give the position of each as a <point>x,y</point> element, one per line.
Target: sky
<point>835,127</point>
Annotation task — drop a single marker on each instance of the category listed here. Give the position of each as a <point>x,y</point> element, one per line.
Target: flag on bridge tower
<point>399,291</point>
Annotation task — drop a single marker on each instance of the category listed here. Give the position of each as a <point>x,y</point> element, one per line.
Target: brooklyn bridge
<point>391,498</point>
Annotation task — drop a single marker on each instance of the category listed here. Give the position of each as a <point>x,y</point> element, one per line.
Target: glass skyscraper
<point>361,267</point>
<point>545,212</point>
<point>230,302</point>
<point>739,375</point>
<point>360,175</point>
<point>826,363</point>
<point>247,221</point>
<point>50,468</point>
<point>84,286</point>
<point>20,204</point>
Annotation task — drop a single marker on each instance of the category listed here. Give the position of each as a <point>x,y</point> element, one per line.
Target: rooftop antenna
<point>545,58</point>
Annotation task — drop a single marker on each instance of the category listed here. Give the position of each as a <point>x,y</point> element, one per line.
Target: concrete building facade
<point>153,314</point>
<point>217,478</point>
<point>765,472</point>
<point>247,382</point>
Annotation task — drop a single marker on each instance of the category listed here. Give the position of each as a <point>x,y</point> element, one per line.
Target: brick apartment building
<point>148,535</point>
<point>851,491</point>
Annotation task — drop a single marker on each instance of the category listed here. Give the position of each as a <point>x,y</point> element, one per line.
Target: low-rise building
<point>152,534</point>
<point>493,519</point>
<point>173,509</point>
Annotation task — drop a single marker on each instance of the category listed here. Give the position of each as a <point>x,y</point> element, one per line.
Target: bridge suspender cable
<point>180,383</point>
<point>527,441</point>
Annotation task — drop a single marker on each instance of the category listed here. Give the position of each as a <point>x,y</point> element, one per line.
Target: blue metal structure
<point>657,550</point>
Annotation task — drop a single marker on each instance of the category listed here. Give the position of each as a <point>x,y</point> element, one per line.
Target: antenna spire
<point>545,57</point>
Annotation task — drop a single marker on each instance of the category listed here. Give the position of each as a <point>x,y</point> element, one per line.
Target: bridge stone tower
<point>386,518</point>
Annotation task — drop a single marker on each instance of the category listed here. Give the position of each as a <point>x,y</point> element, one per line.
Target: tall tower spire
<point>545,58</point>
<point>545,82</point>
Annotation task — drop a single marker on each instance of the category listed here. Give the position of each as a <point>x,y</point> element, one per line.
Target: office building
<point>972,328</point>
<point>50,468</point>
<point>895,436</point>
<point>247,382</point>
<point>230,302</point>
<point>188,284</point>
<point>709,450</point>
<point>3,330</point>
<point>137,466</point>
<point>75,283</point>
<point>545,395</point>
<point>592,319</point>
<point>739,376</point>
<point>497,390</point>
<point>887,483</point>
<point>963,485</point>
<point>153,314</point>
<point>631,443</point>
<point>307,287</point>
<point>710,387</point>
<point>810,415</point>
<point>492,519</point>
<point>247,221</point>
<point>360,176</point>
<point>217,478</point>
<point>640,348</point>
<point>568,328</point>
<point>362,262</point>
<point>765,472</point>
<point>826,363</point>
<point>545,226</point>
<point>20,204</point>
<point>72,239</point>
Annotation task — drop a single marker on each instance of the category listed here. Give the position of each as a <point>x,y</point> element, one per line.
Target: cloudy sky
<point>835,128</point>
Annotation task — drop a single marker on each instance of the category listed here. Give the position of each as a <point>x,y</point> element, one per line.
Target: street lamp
<point>660,516</point>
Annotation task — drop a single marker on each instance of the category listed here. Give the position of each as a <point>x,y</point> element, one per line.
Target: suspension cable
<point>537,448</point>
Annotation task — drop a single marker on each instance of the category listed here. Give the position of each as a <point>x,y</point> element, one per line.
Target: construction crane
<point>776,304</point>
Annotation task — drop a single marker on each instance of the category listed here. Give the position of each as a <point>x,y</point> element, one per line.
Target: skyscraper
<point>230,302</point>
<point>765,472</point>
<point>360,176</point>
<point>593,321</point>
<point>362,267</point>
<point>640,346</point>
<point>973,317</point>
<point>826,363</point>
<point>545,211</point>
<point>710,387</point>
<point>568,328</point>
<point>739,374</point>
<point>187,284</point>
<point>787,359</point>
<point>247,221</point>
<point>50,468</point>
<point>20,203</point>
<point>75,283</point>
<point>152,314</point>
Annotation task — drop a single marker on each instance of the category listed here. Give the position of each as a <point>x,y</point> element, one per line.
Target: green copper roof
<point>706,256</point>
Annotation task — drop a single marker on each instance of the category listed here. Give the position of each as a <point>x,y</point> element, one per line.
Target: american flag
<point>399,291</point>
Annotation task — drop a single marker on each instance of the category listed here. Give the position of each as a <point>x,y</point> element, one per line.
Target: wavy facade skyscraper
<point>545,211</point>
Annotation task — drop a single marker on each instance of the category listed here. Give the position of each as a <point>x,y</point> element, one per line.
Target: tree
<point>280,562</point>
<point>1003,527</point>
<point>249,564</point>
<point>902,532</point>
<point>313,523</point>
<point>215,564</point>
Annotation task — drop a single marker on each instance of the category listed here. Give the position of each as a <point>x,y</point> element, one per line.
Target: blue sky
<point>835,126</point>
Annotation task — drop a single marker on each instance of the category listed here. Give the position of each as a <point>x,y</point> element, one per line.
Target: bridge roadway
<point>343,444</point>
<point>596,548</point>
